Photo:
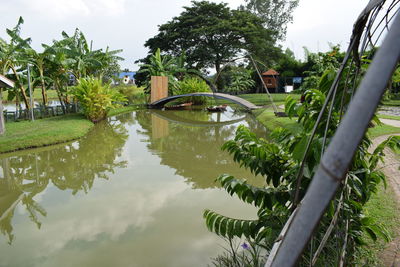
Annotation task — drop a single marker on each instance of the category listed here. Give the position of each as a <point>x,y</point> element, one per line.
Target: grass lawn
<point>392,102</point>
<point>37,94</point>
<point>263,99</point>
<point>383,208</point>
<point>27,134</point>
<point>49,131</point>
<point>390,117</point>
<point>271,122</point>
<point>382,130</point>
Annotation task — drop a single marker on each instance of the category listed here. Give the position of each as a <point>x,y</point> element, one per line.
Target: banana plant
<point>39,62</point>
<point>82,59</point>
<point>162,65</point>
<point>13,57</point>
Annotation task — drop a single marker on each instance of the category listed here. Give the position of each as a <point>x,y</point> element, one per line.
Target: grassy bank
<point>271,122</point>
<point>44,132</point>
<point>390,117</point>
<point>263,99</point>
<point>391,102</point>
<point>382,130</point>
<point>50,131</point>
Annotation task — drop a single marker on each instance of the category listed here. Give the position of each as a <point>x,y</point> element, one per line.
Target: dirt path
<point>391,254</point>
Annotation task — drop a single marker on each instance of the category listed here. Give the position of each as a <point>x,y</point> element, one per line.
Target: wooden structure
<point>270,79</point>
<point>179,107</point>
<point>161,102</point>
<point>160,127</point>
<point>159,88</point>
<point>4,82</point>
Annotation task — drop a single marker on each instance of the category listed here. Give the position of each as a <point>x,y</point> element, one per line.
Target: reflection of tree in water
<point>195,152</point>
<point>72,166</point>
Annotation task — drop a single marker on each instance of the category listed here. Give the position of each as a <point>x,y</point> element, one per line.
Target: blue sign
<point>297,79</point>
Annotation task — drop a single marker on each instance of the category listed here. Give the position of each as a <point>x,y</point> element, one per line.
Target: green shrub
<point>96,99</point>
<point>193,85</point>
<point>133,94</point>
<point>241,81</point>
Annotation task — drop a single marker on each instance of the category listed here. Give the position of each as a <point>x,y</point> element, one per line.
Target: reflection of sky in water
<point>145,214</point>
<point>228,115</point>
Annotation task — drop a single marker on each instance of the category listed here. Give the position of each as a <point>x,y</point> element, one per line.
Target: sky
<point>127,24</point>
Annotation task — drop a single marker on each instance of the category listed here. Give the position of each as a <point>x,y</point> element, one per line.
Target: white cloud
<point>107,7</point>
<point>127,24</point>
<point>65,9</point>
<point>59,9</point>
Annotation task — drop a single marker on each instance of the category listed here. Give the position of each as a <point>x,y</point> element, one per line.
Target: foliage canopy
<point>211,34</point>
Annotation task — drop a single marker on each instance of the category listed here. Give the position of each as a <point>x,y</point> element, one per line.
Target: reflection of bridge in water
<point>172,117</point>
<point>248,105</point>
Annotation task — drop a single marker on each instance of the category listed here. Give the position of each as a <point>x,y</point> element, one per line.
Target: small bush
<point>96,99</point>
<point>193,85</point>
<point>134,94</point>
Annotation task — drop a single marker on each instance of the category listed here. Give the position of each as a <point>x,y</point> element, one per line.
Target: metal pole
<point>263,83</point>
<point>339,154</point>
<point>30,94</point>
<point>2,124</point>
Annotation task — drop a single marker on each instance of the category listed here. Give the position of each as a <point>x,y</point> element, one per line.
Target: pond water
<point>9,106</point>
<point>130,193</point>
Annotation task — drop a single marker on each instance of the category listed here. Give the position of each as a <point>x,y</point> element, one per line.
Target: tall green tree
<point>13,58</point>
<point>276,14</point>
<point>211,35</point>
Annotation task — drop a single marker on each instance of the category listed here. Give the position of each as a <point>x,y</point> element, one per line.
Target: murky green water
<point>130,193</point>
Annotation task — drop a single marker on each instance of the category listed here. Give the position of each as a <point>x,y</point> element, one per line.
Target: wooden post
<point>4,83</point>
<point>159,88</point>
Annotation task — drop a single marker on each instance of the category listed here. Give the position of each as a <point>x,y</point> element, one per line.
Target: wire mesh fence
<point>41,112</point>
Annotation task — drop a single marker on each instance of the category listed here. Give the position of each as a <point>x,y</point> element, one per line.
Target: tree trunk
<point>209,83</point>
<point>218,70</point>
<point>25,98</point>
<point>59,96</point>
<point>44,94</point>
<point>22,89</point>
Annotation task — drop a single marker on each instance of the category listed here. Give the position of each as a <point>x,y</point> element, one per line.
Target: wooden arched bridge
<point>238,100</point>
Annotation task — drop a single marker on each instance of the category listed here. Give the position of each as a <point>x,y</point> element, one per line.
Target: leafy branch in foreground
<point>279,161</point>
